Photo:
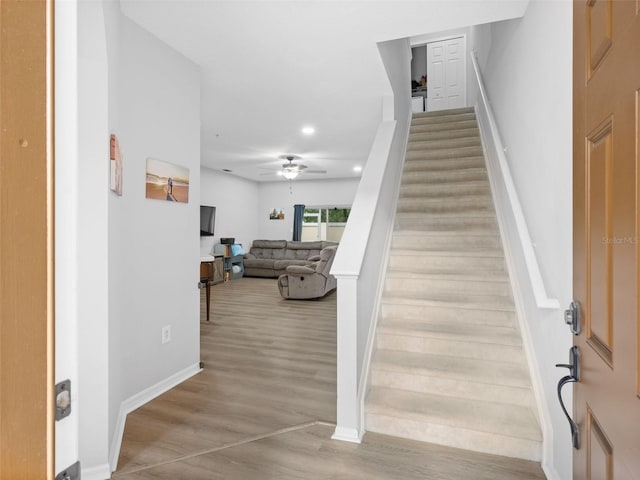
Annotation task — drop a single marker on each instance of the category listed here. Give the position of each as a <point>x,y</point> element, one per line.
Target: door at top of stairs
<point>446,73</point>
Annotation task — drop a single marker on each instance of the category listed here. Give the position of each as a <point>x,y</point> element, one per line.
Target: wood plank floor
<point>264,406</point>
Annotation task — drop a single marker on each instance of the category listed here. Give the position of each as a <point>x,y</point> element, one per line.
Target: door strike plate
<point>63,399</point>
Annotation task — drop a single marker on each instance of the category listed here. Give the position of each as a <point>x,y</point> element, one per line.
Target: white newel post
<point>349,427</point>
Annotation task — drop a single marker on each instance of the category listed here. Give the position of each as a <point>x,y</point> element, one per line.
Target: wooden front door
<point>26,241</point>
<point>606,248</point>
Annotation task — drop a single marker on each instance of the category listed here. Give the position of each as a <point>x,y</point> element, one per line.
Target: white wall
<point>67,293</point>
<point>479,43</point>
<point>92,246</point>
<point>312,193</point>
<point>528,79</point>
<point>361,259</point>
<point>153,245</point>
<point>395,56</point>
<point>237,212</point>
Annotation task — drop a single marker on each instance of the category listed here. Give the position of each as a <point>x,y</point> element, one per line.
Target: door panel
<point>436,99</point>
<point>455,73</point>
<point>606,255</point>
<point>600,239</point>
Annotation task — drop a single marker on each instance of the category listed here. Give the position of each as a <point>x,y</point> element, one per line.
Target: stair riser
<point>444,134</point>
<point>454,437</point>
<point>449,387</point>
<point>449,264</point>
<point>445,242</point>
<point>407,221</point>
<point>443,153</point>
<point>444,113</point>
<point>499,318</point>
<point>436,205</point>
<point>440,127</point>
<point>444,144</point>
<point>443,177</point>
<point>443,164</point>
<point>425,288</point>
<point>443,191</point>
<point>440,119</point>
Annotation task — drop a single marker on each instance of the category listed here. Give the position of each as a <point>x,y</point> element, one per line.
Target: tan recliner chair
<point>309,281</point>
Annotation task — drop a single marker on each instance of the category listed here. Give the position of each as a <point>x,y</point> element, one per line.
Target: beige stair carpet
<point>449,365</point>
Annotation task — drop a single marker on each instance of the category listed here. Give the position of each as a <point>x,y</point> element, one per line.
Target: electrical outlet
<point>166,334</point>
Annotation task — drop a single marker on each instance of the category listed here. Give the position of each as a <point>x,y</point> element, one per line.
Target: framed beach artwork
<point>115,161</point>
<point>167,181</point>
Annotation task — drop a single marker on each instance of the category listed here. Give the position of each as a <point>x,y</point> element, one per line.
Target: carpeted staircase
<point>449,366</point>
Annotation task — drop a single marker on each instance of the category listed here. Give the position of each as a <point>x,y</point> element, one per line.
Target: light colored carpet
<point>449,366</point>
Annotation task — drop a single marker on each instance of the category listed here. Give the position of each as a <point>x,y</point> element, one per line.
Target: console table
<point>211,272</point>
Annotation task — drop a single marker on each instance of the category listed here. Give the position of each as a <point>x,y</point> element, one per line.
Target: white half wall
<point>236,201</point>
<point>528,76</point>
<point>153,244</point>
<point>311,192</point>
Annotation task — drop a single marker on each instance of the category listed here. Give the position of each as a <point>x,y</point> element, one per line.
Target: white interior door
<point>446,74</point>
<point>436,97</point>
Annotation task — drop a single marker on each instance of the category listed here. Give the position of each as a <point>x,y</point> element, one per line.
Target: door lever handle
<point>574,376</point>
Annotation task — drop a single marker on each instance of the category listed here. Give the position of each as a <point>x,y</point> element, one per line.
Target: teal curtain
<point>298,216</point>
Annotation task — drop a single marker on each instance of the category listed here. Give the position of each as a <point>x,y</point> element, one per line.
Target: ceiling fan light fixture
<point>290,174</point>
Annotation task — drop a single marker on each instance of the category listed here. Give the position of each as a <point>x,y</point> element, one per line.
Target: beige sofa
<point>270,258</point>
<point>309,281</point>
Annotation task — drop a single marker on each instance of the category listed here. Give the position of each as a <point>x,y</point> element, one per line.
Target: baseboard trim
<point>347,435</point>
<point>139,399</point>
<point>100,472</point>
<point>550,472</point>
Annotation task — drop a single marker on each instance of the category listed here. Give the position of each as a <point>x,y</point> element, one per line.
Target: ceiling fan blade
<point>315,171</point>
<point>268,173</point>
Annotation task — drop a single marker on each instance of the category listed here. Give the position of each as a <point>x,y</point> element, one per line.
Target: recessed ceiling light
<point>357,168</point>
<point>308,130</point>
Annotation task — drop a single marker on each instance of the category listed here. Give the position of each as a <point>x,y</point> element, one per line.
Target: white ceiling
<point>271,67</point>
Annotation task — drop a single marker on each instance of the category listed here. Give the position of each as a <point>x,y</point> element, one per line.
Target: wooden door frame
<point>26,240</point>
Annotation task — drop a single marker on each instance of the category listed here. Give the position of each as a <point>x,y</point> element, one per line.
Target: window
<point>324,223</point>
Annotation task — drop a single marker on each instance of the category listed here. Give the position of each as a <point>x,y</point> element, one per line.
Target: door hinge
<point>63,399</point>
<point>572,317</point>
<point>70,473</point>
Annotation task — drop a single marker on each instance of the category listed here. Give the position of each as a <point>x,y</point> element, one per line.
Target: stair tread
<point>459,331</point>
<point>436,127</point>
<point>496,418</point>
<point>440,113</point>
<point>471,370</point>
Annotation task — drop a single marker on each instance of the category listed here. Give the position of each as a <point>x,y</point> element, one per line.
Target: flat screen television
<point>207,220</point>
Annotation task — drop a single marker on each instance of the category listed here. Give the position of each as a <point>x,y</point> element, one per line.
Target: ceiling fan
<point>292,170</point>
